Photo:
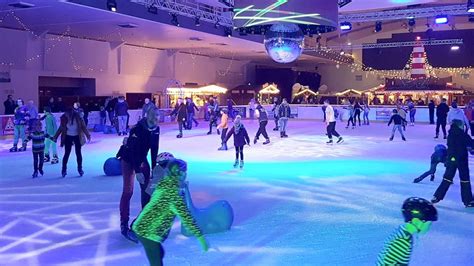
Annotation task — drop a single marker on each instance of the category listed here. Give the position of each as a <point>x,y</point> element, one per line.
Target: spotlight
<point>346,26</point>
<point>418,38</point>
<point>174,20</point>
<point>197,21</point>
<point>411,22</point>
<point>342,52</point>
<point>441,19</point>
<point>153,9</point>
<point>228,32</point>
<point>378,26</point>
<point>112,5</point>
<point>455,48</point>
<point>470,6</point>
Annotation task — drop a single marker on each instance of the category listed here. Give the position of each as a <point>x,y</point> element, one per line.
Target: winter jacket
<point>275,108</point>
<point>32,111</point>
<point>224,122</point>
<point>51,126</point>
<point>181,111</point>
<point>110,106</point>
<point>439,156</point>
<point>396,119</point>
<point>62,130</point>
<point>469,112</point>
<point>142,139</point>
<point>21,115</point>
<point>121,108</point>
<point>146,107</point>
<point>351,110</point>
<point>442,111</point>
<point>157,217</point>
<point>431,106</point>
<point>456,113</point>
<point>38,138</point>
<point>262,114</point>
<point>123,153</point>
<point>284,111</point>
<point>191,107</point>
<point>241,137</point>
<point>212,108</point>
<point>9,107</point>
<point>458,142</point>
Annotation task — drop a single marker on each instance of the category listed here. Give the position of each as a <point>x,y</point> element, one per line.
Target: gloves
<point>140,178</point>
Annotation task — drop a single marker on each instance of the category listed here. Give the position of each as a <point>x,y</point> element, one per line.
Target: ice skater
<point>418,214</point>
<point>398,123</point>
<point>459,143</point>
<point>224,125</point>
<point>351,111</point>
<point>241,138</point>
<point>262,116</point>
<point>412,112</point>
<point>121,114</point>
<point>20,120</point>
<point>403,114</point>
<point>181,112</point>
<point>275,107</point>
<point>357,112</point>
<point>51,128</point>
<point>192,109</point>
<point>366,114</point>
<point>438,156</point>
<point>156,220</point>
<point>284,113</point>
<point>331,124</point>
<point>213,110</point>
<point>38,136</point>
<point>441,117</point>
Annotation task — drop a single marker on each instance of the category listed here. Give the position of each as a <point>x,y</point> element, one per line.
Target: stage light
<point>441,19</point>
<point>342,52</point>
<point>112,5</point>
<point>197,21</point>
<point>418,38</point>
<point>378,26</point>
<point>153,9</point>
<point>455,48</point>
<point>411,22</point>
<point>228,32</point>
<point>174,19</point>
<point>470,6</point>
<point>346,26</point>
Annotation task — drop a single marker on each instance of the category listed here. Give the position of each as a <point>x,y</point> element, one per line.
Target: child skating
<point>37,135</point>
<point>438,156</point>
<point>419,214</point>
<point>398,123</point>
<point>20,120</point>
<point>241,138</point>
<point>51,128</point>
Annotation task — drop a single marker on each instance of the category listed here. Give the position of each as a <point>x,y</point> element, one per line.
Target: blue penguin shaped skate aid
<point>112,167</point>
<point>216,218</point>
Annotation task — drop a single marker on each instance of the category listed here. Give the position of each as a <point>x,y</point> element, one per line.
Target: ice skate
<point>436,137</point>
<point>23,148</point>
<point>255,141</point>
<point>445,137</point>
<point>241,164</point>
<point>128,234</point>
<point>330,142</point>
<point>404,139</point>
<point>46,158</point>
<point>63,173</point>
<point>435,200</point>
<point>284,134</point>
<point>120,133</point>
<point>417,180</point>
<point>35,174</point>
<point>14,149</point>
<point>391,139</point>
<point>55,159</point>
<point>209,133</point>
<point>223,147</point>
<point>236,163</point>
<point>179,136</point>
<point>80,171</point>
<point>470,204</point>
<point>266,142</point>
<point>340,140</point>
<point>41,172</point>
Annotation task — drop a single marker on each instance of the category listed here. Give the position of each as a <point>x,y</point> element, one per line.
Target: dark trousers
<point>212,122</point>
<point>357,116</point>
<point>441,122</point>
<point>190,120</point>
<point>70,140</point>
<point>351,120</point>
<point>463,168</point>
<point>239,151</point>
<point>432,171</point>
<point>154,251</point>
<point>331,130</point>
<point>128,182</point>
<point>262,129</point>
<point>471,124</point>
<point>223,135</point>
<point>38,159</point>
<point>431,116</point>
<point>276,122</point>
<point>181,124</point>
<point>412,115</point>
<point>111,117</point>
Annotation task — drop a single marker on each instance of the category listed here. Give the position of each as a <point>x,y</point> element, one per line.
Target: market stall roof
<point>269,89</point>
<point>306,90</point>
<point>349,92</point>
<point>202,90</point>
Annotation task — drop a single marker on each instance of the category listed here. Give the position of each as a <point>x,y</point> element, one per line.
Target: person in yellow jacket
<point>224,125</point>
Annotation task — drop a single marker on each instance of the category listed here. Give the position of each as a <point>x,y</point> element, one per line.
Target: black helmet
<point>420,208</point>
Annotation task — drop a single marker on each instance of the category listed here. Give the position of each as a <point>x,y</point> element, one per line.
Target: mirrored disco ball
<point>284,42</point>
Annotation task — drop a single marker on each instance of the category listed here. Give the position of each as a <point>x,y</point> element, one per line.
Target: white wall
<point>119,70</point>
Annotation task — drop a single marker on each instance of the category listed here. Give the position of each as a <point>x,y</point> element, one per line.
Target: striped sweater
<point>38,138</point>
<point>397,249</point>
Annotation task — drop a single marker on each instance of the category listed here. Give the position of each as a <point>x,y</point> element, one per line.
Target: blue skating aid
<point>112,167</point>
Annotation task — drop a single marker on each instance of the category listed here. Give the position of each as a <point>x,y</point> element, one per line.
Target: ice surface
<point>297,202</point>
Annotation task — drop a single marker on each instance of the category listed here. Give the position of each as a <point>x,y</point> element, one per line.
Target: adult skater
<point>366,109</point>
<point>51,128</point>
<point>457,114</point>
<point>398,122</point>
<point>469,113</point>
<point>73,131</point>
<point>458,145</point>
<point>403,114</point>
<point>59,106</point>
<point>192,109</point>
<point>110,107</point>
<point>351,111</point>
<point>252,108</point>
<point>412,112</point>
<point>441,117</point>
<point>9,105</point>
<point>357,112</point>
<point>144,137</point>
<point>33,114</point>
<point>20,121</point>
<point>156,220</point>
<point>147,106</point>
<point>121,112</point>
<point>241,138</point>
<point>438,156</point>
<point>213,110</point>
<point>418,214</point>
<point>284,113</point>
<point>224,125</point>
<point>181,113</point>
<point>431,110</point>
<point>262,116</point>
<point>275,107</point>
<point>230,108</point>
<point>331,124</point>
<point>38,136</point>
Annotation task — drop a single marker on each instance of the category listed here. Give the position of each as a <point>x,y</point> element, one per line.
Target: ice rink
<point>297,201</point>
